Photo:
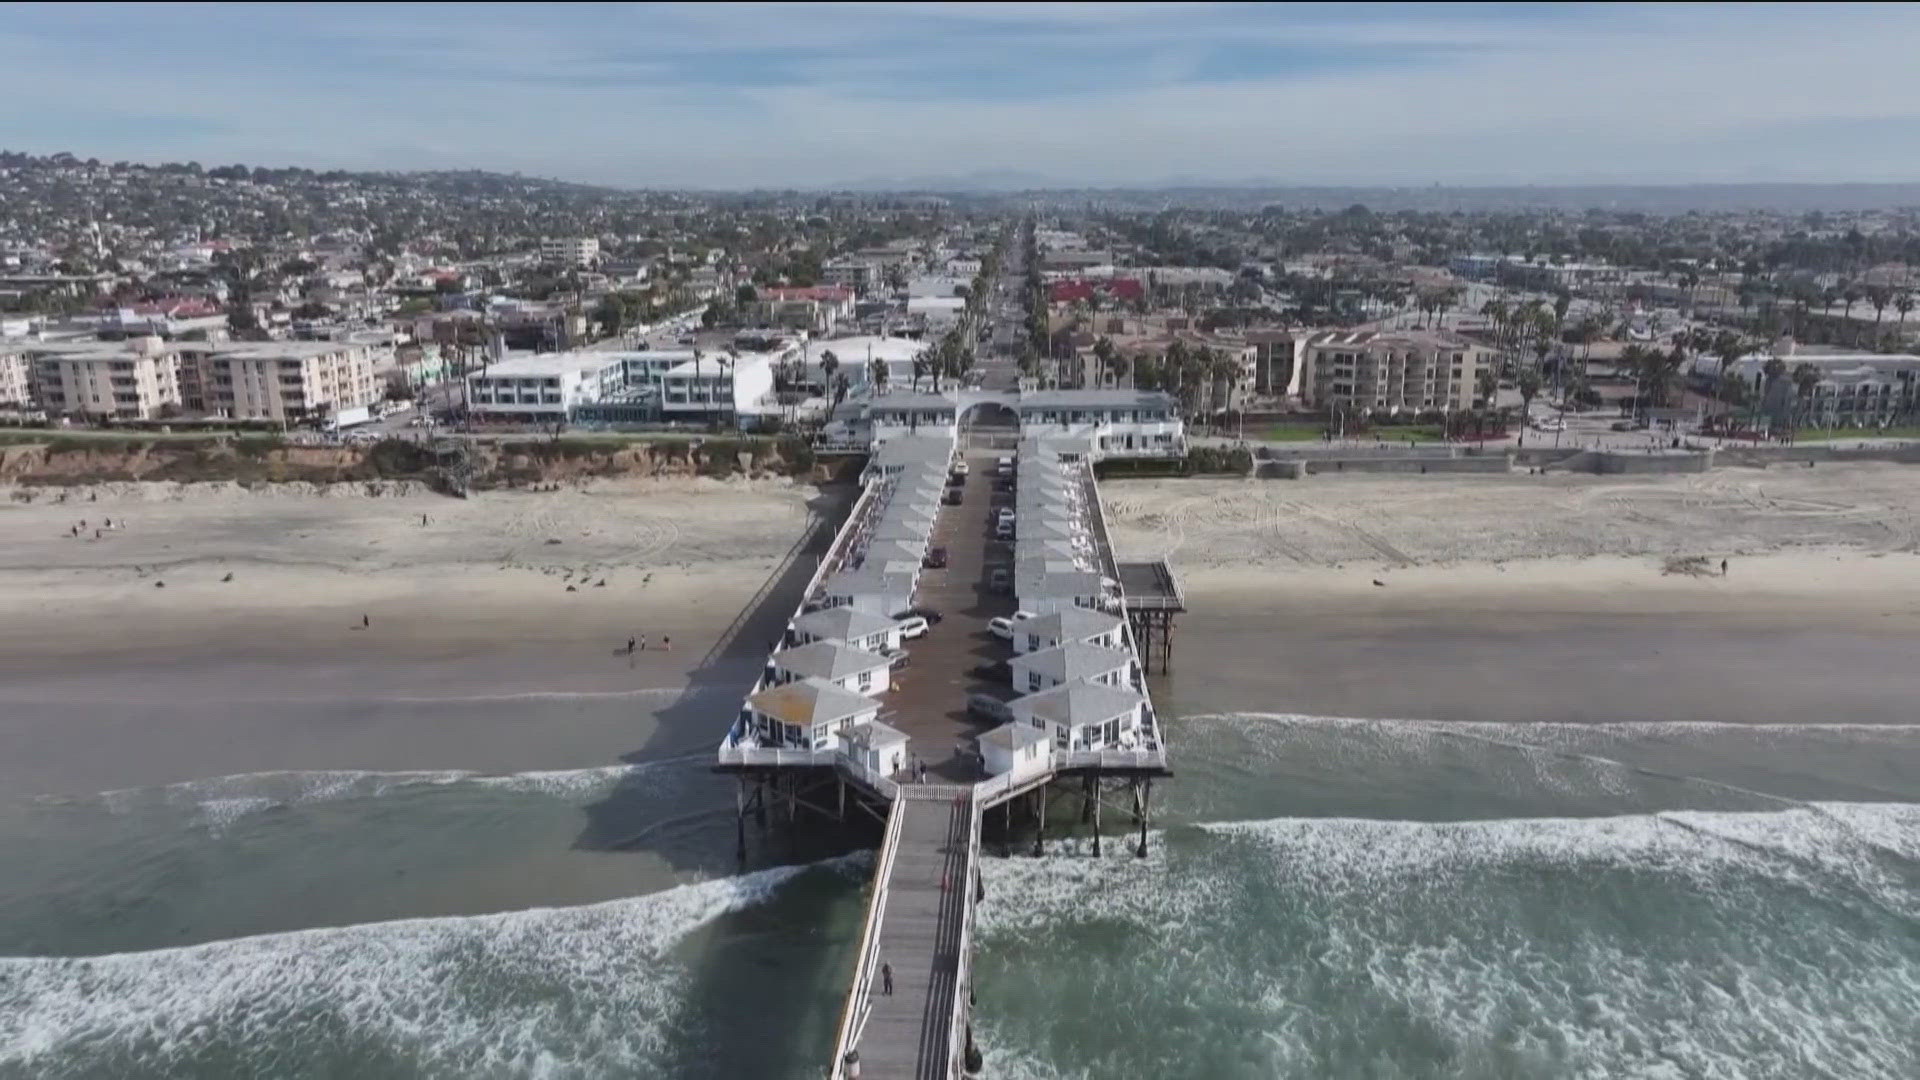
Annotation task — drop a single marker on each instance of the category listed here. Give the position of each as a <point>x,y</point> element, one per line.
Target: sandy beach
<point>215,631</point>
<point>134,659</point>
<point>1520,599</point>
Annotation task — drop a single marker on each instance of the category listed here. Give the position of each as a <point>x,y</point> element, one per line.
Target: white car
<point>1003,628</point>
<point>912,627</point>
<point>959,469</point>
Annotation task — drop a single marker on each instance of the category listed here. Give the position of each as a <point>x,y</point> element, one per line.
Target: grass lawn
<point>1285,433</point>
<point>1814,434</point>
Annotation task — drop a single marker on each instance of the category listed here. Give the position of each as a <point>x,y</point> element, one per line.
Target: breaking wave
<point>583,991</point>
<point>1672,944</point>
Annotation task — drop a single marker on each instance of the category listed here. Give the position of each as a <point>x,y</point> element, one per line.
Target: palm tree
<point>1879,296</point>
<point>920,366</point>
<point>1771,373</point>
<point>839,387</point>
<point>1806,379</point>
<point>1528,382</point>
<point>877,374</point>
<point>1488,384</point>
<point>829,364</point>
<point>1903,303</point>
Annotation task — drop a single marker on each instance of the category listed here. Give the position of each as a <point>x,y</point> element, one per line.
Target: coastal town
<point>959,542</point>
<point>320,306</point>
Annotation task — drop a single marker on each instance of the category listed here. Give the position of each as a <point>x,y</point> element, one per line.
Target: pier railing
<point>853,1018</point>
<point>957,1040</point>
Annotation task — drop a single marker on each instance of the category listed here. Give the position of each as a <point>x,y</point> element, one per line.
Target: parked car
<point>1003,628</point>
<point>988,707</point>
<point>1004,515</point>
<point>1621,425</point>
<point>896,658</point>
<point>936,558</point>
<point>1005,466</point>
<point>959,469</point>
<point>954,496</point>
<point>933,617</point>
<point>1000,580</point>
<point>911,627</point>
<point>1003,529</point>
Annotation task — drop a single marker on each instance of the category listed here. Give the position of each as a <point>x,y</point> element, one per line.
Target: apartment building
<point>289,381</point>
<point>134,380</point>
<point>15,382</point>
<point>860,275</point>
<point>1391,371</point>
<point>570,250</point>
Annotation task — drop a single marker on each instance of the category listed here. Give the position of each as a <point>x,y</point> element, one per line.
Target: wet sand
<point>134,660</point>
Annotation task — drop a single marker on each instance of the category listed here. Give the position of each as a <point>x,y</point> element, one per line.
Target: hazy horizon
<point>839,96</point>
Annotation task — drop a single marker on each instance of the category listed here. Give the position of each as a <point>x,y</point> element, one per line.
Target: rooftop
<point>548,364</point>
<point>1072,624</point>
<point>810,701</point>
<point>1095,399</point>
<point>1074,660</point>
<point>844,623</point>
<point>1077,703</point>
<point>827,660</point>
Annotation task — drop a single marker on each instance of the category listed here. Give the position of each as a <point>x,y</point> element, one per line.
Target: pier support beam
<point>1040,829</point>
<point>1093,785</point>
<point>1146,812</point>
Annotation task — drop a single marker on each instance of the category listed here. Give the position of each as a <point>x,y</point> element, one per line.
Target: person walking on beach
<point>630,644</point>
<point>886,979</point>
<point>643,643</point>
<point>1723,568</point>
<point>666,642</point>
<point>365,623</point>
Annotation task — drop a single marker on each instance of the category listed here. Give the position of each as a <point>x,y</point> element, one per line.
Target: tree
<point>1487,384</point>
<point>1903,303</point>
<point>1528,382</point>
<point>829,364</point>
<point>877,374</point>
<point>745,296</point>
<point>840,387</point>
<point>1806,379</point>
<point>920,367</point>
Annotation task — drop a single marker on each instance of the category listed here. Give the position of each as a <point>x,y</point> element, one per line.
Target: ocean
<point>1323,897</point>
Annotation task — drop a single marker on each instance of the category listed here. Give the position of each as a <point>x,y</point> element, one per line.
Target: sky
<point>754,96</point>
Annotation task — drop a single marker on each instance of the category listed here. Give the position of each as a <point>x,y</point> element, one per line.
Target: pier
<point>968,644</point>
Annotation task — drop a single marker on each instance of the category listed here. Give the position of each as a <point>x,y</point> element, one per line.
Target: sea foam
<point>582,991</point>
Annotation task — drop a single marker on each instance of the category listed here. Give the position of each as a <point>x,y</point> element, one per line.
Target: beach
<point>1473,776</point>
<point>213,630</point>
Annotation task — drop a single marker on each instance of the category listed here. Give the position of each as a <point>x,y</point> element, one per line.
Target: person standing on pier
<point>886,979</point>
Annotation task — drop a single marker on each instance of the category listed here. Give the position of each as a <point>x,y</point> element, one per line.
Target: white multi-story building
<point>570,250</point>
<point>1863,390</point>
<point>860,275</point>
<point>545,387</point>
<point>1390,371</point>
<point>718,384</point>
<point>1115,423</point>
<point>15,385</point>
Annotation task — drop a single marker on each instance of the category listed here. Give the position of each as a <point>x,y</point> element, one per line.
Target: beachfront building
<point>15,379</point>
<point>1019,750</point>
<point>138,379</point>
<point>870,590</point>
<point>836,662</point>
<point>544,388</point>
<point>1390,371</point>
<point>860,629</point>
<point>816,309</point>
<point>288,381</point>
<point>1113,423</point>
<point>1069,626</point>
<point>1852,389</point>
<point>1075,661</point>
<point>905,413</point>
<point>876,748</point>
<point>810,714</point>
<point>1083,715</point>
<point>719,385</point>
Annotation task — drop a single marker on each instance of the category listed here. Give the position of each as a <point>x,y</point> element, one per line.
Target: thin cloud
<point>782,95</point>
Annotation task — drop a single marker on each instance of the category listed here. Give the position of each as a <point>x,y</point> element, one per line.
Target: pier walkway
<point>919,924</point>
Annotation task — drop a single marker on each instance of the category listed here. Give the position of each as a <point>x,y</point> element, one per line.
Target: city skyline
<point>770,96</point>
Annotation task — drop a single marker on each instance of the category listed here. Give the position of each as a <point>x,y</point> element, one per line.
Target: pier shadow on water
<point>766,981</point>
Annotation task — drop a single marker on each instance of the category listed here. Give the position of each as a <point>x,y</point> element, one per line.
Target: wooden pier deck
<point>921,929</point>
